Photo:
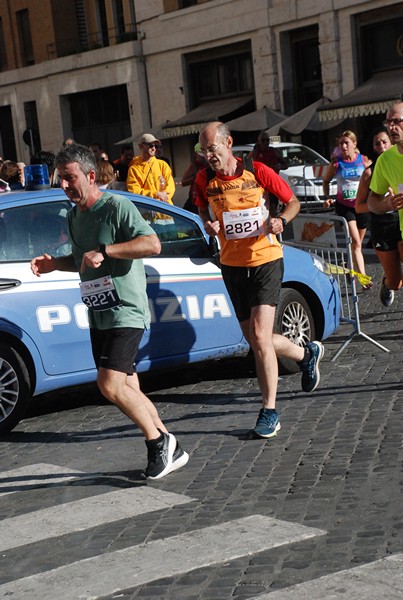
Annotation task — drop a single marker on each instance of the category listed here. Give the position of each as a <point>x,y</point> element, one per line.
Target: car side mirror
<point>214,248</point>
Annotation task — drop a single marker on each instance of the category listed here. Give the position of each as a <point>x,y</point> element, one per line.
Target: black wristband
<point>102,250</point>
<point>284,221</point>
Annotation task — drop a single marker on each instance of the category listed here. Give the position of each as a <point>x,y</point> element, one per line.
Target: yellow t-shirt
<point>149,177</point>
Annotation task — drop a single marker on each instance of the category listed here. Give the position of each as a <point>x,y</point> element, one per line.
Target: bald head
<point>216,143</point>
<point>213,130</point>
<point>396,107</point>
<point>394,124</point>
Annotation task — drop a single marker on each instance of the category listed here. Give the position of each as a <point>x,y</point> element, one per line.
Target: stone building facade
<point>107,70</point>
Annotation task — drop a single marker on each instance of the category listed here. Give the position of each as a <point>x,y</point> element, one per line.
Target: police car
<point>44,337</point>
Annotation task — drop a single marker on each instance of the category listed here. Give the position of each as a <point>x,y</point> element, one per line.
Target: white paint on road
<point>83,514</point>
<point>111,573</point>
<point>34,476</point>
<point>380,580</point>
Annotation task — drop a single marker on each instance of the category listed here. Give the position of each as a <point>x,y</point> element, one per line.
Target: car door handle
<point>8,284</point>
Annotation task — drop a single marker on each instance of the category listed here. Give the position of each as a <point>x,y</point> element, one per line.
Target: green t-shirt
<point>388,172</point>
<point>112,219</point>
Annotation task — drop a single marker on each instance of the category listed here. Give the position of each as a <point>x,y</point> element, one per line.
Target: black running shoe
<point>160,455</point>
<point>179,459</point>
<point>386,296</point>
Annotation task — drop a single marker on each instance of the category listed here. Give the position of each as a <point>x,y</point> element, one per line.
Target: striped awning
<point>194,121</point>
<point>373,97</point>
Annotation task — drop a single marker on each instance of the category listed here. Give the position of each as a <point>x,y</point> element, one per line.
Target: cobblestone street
<point>322,497</point>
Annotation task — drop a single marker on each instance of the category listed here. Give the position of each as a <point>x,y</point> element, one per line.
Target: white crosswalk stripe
<point>172,556</point>
<point>91,578</point>
<point>34,476</point>
<point>83,514</point>
<point>382,579</point>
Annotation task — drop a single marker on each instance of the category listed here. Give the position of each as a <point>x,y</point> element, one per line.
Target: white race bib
<point>350,189</point>
<point>243,223</point>
<point>100,294</point>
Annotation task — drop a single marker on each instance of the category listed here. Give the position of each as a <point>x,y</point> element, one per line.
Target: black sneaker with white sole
<point>160,455</point>
<point>386,296</point>
<point>179,459</point>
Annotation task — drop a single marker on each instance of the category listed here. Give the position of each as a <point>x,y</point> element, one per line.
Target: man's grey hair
<point>79,154</point>
<point>223,130</point>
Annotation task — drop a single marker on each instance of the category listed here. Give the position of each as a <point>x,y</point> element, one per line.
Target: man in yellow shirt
<point>148,175</point>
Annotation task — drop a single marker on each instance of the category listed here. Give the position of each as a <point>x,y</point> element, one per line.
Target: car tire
<point>14,388</point>
<point>293,320</point>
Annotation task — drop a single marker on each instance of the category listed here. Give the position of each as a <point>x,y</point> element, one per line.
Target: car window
<point>301,155</point>
<point>179,236</point>
<point>29,231</point>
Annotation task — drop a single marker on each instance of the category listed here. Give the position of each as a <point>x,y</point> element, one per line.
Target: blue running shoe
<point>267,423</point>
<point>310,370</point>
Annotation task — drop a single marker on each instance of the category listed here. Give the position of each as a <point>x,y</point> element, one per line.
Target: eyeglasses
<point>388,122</point>
<point>211,150</point>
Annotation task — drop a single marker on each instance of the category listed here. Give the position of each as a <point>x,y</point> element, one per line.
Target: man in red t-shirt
<point>232,207</point>
<point>266,154</point>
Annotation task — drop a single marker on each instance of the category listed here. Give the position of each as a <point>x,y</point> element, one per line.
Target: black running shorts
<point>385,231</point>
<point>253,286</point>
<point>116,349</point>
<point>349,214</point>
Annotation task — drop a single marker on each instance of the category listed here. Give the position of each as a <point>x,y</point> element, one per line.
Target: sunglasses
<point>154,145</point>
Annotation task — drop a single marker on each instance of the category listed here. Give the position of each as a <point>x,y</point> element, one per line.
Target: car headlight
<point>320,264</point>
<point>296,180</point>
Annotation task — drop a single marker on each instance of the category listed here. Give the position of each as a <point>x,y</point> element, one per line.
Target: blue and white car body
<point>44,337</point>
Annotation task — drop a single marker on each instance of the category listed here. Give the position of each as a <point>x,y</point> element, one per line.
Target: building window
<point>102,23</point>
<point>3,55</point>
<point>376,29</point>
<point>24,33</point>
<point>228,74</point>
<point>302,69</point>
<point>31,121</point>
<point>171,5</point>
<point>100,115</point>
<point>119,18</point>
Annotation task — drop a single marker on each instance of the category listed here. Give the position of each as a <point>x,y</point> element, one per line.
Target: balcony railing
<point>93,41</point>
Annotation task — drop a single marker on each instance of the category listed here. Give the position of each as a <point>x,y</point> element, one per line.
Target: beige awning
<point>195,120</point>
<point>156,131</point>
<point>373,97</point>
<point>258,120</point>
<point>305,119</point>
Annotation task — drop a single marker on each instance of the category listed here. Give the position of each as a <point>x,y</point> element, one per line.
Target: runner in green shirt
<point>109,238</point>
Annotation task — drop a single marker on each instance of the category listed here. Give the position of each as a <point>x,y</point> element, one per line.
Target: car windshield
<point>32,230</point>
<point>301,155</point>
<point>179,236</point>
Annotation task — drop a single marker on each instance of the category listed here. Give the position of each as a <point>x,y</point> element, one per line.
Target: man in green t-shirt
<point>387,179</point>
<point>109,238</point>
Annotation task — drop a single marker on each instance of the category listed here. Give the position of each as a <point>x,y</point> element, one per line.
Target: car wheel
<point>14,388</point>
<point>294,321</point>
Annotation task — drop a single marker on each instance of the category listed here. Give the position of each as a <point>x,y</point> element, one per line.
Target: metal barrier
<point>328,237</point>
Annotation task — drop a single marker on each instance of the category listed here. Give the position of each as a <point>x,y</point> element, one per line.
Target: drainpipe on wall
<point>141,36</point>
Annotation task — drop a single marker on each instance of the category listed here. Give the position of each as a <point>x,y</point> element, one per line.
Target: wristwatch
<point>102,250</point>
<point>284,221</point>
